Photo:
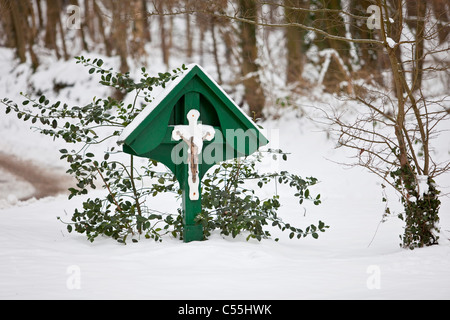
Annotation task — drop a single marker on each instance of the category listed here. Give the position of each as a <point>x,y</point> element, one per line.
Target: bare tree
<point>101,27</point>
<point>393,136</point>
<point>20,28</point>
<point>254,94</point>
<point>140,32</point>
<point>295,39</point>
<point>163,32</point>
<point>119,32</point>
<point>17,11</point>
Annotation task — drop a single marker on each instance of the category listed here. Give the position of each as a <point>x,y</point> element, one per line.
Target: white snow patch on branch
<point>422,185</point>
<point>391,43</point>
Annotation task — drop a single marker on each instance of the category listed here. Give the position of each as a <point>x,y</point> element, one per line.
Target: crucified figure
<point>193,135</point>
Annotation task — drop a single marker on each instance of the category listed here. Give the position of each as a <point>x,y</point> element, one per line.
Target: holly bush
<point>230,201</point>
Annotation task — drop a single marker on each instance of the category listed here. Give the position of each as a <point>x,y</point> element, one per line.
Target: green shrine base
<point>192,233</point>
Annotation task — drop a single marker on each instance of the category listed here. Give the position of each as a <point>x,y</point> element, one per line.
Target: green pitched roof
<point>149,134</point>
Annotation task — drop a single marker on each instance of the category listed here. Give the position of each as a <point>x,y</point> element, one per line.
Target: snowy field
<point>357,258</point>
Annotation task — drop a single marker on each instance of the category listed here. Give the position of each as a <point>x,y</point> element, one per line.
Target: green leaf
<point>321,225</point>
<point>91,71</point>
<point>99,62</point>
<point>315,235</point>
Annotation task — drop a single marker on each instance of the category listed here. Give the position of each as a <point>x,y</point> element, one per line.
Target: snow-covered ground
<point>357,258</point>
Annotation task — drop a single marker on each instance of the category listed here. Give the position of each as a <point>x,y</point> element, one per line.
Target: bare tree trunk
<point>370,57</point>
<point>40,17</point>
<point>137,46</point>
<point>82,27</point>
<point>254,94</point>
<point>6,24</point>
<point>441,9</point>
<point>33,28</point>
<point>51,27</point>
<point>419,49</point>
<point>19,23</point>
<point>188,37</point>
<point>334,24</point>
<point>163,33</point>
<point>216,56</point>
<point>294,39</point>
<point>146,22</point>
<point>20,36</point>
<point>61,32</point>
<point>396,29</point>
<point>31,33</point>
<point>89,20</point>
<point>101,27</point>
<point>202,24</point>
<point>170,32</point>
<point>119,33</point>
<point>228,40</point>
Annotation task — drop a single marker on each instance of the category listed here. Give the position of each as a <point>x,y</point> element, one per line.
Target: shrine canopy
<point>150,133</point>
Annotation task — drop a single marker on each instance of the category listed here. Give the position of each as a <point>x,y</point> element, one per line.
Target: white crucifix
<point>193,135</point>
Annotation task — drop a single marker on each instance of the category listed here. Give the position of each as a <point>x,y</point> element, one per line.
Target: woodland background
<point>36,28</point>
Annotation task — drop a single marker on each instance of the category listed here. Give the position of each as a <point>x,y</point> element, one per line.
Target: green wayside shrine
<point>189,127</point>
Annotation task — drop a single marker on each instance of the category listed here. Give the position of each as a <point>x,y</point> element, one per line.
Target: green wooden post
<point>191,208</point>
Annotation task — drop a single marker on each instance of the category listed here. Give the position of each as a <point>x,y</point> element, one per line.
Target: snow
<point>13,188</point>
<point>391,43</point>
<point>38,254</point>
<point>422,185</point>
<point>357,258</point>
